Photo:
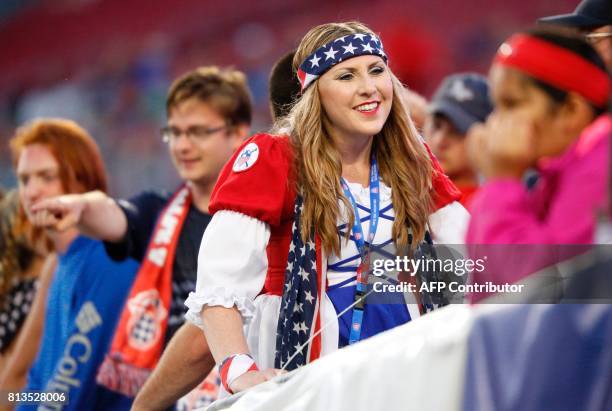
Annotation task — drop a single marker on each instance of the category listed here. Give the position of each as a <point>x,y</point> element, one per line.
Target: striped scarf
<point>139,337</point>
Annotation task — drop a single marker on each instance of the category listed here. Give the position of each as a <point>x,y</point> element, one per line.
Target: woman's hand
<point>502,148</point>
<point>252,378</point>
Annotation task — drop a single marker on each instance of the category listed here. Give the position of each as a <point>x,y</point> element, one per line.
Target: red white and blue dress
<point>243,255</point>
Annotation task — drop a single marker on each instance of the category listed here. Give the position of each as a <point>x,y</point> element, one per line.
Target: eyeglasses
<point>194,133</point>
<point>594,38</point>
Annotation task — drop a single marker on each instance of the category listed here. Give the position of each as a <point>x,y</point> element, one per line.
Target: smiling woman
<point>287,251</point>
<point>356,96</point>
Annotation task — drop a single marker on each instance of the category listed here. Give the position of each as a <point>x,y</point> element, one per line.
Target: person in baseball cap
<point>461,101</point>
<point>593,19</point>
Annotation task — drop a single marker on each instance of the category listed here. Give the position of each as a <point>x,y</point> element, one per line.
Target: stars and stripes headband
<point>556,66</point>
<point>337,51</point>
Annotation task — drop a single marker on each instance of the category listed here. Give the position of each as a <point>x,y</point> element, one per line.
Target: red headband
<point>556,66</point>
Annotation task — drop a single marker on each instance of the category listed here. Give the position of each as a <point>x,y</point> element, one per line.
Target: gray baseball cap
<point>464,99</point>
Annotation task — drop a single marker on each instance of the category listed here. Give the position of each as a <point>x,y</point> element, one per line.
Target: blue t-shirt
<point>84,302</point>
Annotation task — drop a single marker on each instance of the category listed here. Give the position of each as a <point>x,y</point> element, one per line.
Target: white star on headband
<point>327,56</point>
<point>330,54</point>
<point>349,49</point>
<point>314,62</point>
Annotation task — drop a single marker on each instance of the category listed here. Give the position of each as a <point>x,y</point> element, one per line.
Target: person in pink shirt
<point>550,92</point>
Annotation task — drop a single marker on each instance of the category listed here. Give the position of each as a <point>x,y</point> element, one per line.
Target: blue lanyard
<point>364,249</point>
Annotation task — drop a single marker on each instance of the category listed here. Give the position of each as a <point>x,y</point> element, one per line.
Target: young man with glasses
<point>209,115</point>
<point>593,19</point>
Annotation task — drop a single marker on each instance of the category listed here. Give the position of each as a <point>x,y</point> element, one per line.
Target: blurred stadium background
<point>108,63</point>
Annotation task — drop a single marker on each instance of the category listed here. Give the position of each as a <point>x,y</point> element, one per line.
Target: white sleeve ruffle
<point>232,265</point>
<point>449,224</point>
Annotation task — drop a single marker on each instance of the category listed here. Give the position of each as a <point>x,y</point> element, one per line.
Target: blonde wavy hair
<point>403,161</point>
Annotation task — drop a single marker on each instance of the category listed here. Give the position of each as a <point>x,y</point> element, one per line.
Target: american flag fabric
<point>300,303</point>
<point>342,48</point>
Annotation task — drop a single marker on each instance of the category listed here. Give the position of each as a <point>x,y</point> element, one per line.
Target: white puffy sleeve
<point>232,265</point>
<point>449,224</point>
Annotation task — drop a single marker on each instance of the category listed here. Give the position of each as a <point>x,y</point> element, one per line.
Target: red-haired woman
<point>51,158</point>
